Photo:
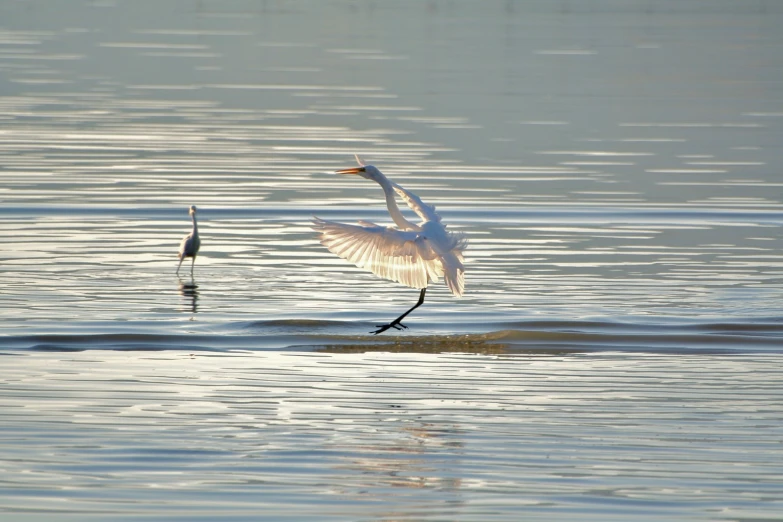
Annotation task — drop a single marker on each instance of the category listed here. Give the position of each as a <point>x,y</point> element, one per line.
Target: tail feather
<point>454,273</point>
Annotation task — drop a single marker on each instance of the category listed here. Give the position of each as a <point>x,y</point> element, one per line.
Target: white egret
<point>190,243</point>
<point>411,254</point>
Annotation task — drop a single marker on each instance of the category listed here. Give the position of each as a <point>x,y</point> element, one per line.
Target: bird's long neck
<point>391,203</point>
<point>195,224</point>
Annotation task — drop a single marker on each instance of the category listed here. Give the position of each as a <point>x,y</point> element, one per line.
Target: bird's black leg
<point>396,324</point>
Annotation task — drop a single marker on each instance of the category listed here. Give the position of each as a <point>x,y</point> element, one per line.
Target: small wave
<point>115,341</point>
<point>544,337</point>
<point>301,324</point>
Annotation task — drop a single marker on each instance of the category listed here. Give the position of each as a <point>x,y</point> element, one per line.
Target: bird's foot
<point>383,327</point>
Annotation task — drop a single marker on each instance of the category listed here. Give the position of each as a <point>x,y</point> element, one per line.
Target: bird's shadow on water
<point>189,291</point>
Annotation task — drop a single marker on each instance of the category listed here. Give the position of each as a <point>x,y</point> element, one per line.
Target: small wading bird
<point>411,254</point>
<point>190,243</point>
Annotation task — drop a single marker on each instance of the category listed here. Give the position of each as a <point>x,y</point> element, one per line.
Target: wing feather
<point>422,209</point>
<point>401,256</point>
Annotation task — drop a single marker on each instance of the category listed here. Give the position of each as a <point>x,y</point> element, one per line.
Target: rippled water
<point>330,436</point>
<point>616,167</point>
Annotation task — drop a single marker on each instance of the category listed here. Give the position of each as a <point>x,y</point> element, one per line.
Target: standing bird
<point>411,254</point>
<point>190,243</point>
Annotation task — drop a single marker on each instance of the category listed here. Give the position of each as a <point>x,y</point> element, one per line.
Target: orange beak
<point>353,170</point>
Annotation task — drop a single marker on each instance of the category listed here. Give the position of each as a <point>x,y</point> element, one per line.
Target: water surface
<point>616,167</point>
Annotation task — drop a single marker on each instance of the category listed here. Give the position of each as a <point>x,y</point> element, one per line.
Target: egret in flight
<point>190,243</point>
<point>410,254</point>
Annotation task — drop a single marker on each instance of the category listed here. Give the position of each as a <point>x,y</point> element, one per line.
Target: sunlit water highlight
<point>333,436</point>
<point>615,166</point>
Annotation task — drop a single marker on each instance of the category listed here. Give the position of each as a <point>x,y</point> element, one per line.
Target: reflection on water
<point>423,455</point>
<point>189,291</point>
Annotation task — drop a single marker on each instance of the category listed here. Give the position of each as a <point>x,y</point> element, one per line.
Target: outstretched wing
<point>401,256</point>
<point>424,211</point>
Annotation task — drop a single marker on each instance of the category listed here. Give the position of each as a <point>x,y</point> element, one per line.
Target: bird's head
<point>365,171</point>
<point>192,210</point>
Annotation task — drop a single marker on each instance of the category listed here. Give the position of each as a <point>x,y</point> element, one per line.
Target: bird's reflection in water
<point>189,290</point>
<point>420,455</point>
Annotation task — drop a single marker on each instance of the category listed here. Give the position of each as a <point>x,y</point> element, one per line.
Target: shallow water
<point>335,436</point>
<point>616,167</point>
